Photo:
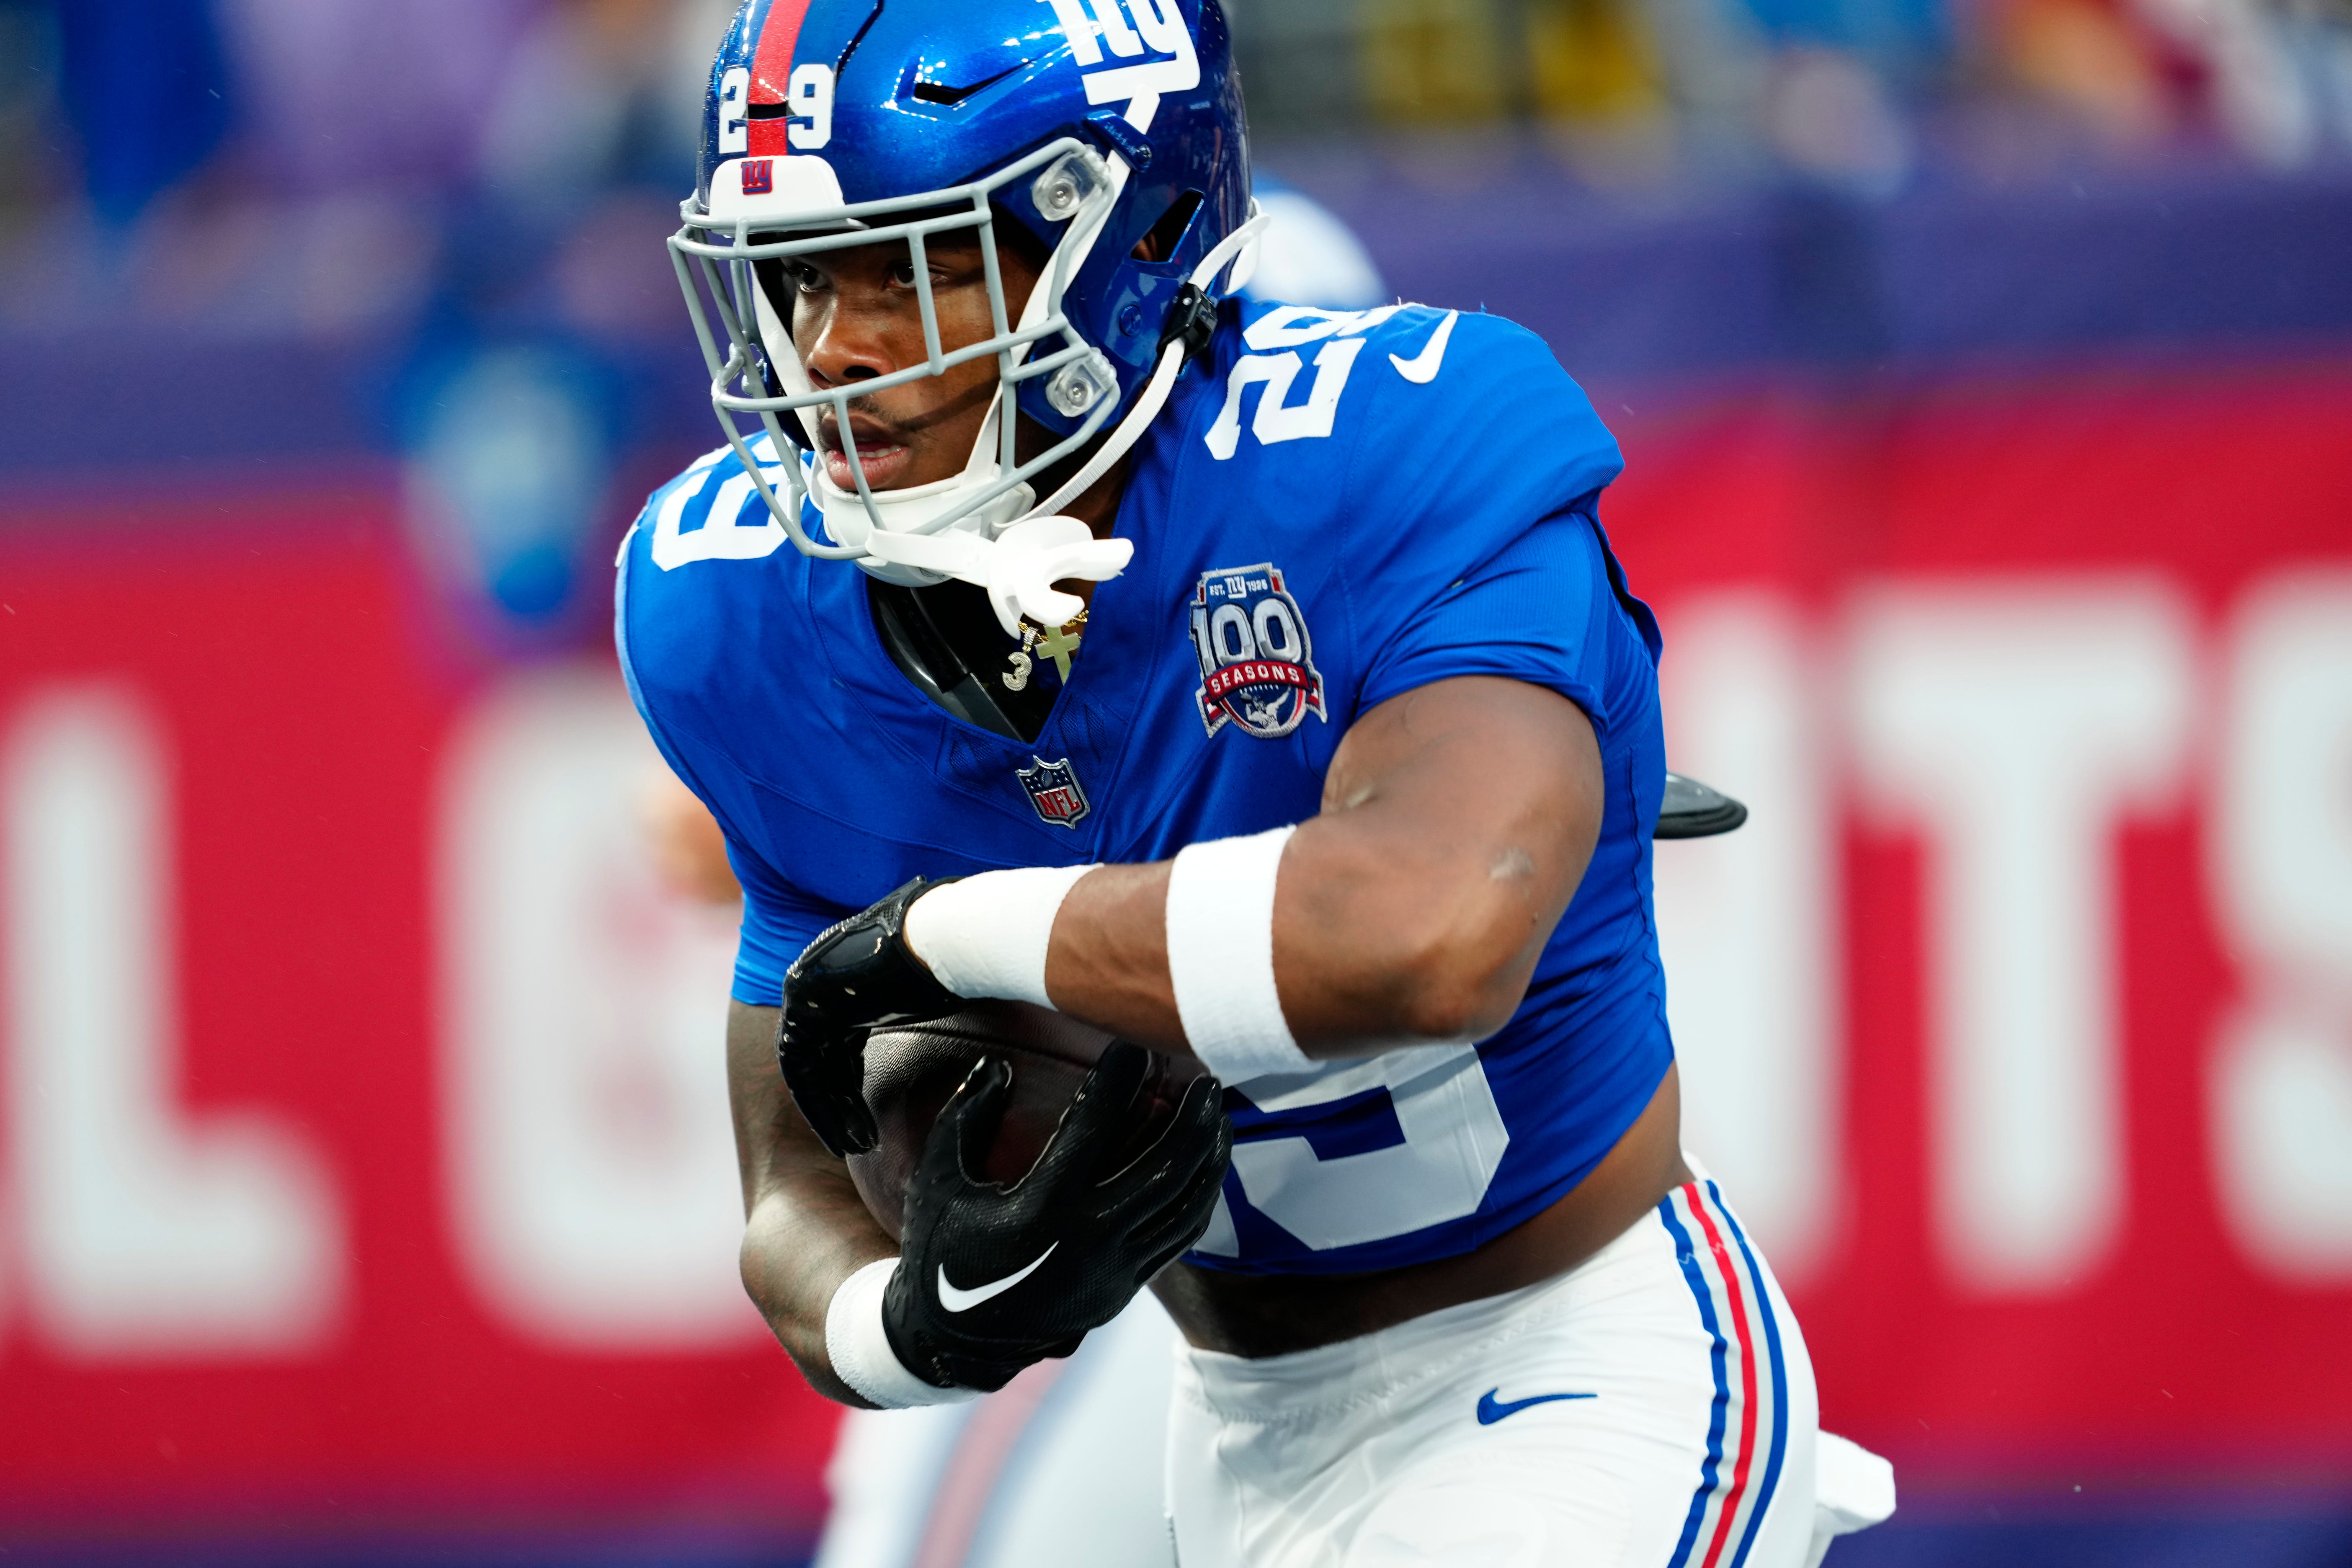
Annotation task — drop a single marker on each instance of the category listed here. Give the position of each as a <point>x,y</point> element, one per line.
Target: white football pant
<point>1652,1408</point>
<point>1065,1466</point>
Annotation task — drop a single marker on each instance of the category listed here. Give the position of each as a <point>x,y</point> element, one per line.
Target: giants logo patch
<point>1054,791</point>
<point>1257,663</point>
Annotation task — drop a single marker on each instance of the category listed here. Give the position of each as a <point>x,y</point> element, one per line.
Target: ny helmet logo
<point>1257,661</point>
<point>1128,30</point>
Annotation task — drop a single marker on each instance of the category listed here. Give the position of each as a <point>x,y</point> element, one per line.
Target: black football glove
<point>858,977</point>
<point>992,1279</point>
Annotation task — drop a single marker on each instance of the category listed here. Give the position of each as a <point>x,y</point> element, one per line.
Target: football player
<point>1255,683</point>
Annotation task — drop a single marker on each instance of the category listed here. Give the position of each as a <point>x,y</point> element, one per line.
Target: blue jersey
<point>1333,510</point>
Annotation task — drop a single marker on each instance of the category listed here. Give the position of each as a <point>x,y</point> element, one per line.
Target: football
<point>910,1072</point>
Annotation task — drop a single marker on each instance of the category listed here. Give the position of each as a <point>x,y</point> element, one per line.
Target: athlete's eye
<point>803,278</point>
<point>902,273</point>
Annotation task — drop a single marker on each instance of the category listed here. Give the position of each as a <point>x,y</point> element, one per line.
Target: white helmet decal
<point>1159,27</point>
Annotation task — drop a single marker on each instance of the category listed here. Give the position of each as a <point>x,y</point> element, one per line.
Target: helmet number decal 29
<point>812,105</point>
<point>808,100</point>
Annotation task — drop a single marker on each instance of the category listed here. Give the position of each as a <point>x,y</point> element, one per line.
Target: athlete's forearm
<point>1456,823</point>
<point>1109,959</point>
<point>1374,947</point>
<point>798,1248</point>
<point>805,1227</point>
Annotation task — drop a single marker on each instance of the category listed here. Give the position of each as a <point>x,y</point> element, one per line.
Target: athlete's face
<point>857,317</point>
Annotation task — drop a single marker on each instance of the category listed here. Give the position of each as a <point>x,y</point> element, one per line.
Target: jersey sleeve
<point>1472,548</point>
<point>776,926</point>
<point>1527,615</point>
<point>777,920</point>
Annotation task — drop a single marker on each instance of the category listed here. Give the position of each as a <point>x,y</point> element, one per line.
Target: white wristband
<point>987,935</point>
<point>1221,956</point>
<point>860,1351</point>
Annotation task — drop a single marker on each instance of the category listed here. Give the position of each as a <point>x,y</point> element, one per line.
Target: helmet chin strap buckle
<point>1191,319</point>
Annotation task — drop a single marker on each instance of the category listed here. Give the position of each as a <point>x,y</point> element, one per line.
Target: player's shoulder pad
<point>1422,385</point>
<point>691,573</point>
<point>1447,436</point>
<point>1467,383</point>
<point>710,511</point>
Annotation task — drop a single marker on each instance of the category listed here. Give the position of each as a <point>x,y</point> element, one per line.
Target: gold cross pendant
<point>1058,644</point>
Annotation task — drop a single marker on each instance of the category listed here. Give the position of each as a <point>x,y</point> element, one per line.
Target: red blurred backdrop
<point>2046,1052</point>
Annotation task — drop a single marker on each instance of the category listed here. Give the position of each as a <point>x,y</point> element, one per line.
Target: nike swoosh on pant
<point>1422,367</point>
<point>955,1300</point>
<point>1490,1410</point>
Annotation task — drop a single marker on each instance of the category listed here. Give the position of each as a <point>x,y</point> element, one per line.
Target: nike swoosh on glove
<point>858,976</point>
<point>992,1279</point>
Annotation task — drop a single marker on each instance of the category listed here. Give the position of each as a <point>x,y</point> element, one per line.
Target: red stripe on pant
<point>1730,1276</point>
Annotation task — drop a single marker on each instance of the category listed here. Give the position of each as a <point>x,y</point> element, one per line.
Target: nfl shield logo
<point>1053,790</point>
<point>1257,663</point>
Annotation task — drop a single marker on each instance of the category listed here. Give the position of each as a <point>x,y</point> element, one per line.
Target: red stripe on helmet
<point>771,74</point>
<point>772,64</point>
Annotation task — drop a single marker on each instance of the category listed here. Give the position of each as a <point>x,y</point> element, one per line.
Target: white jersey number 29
<point>1274,340</point>
<point>1453,1142</point>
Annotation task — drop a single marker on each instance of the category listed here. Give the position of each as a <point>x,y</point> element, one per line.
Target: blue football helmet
<point>832,123</point>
